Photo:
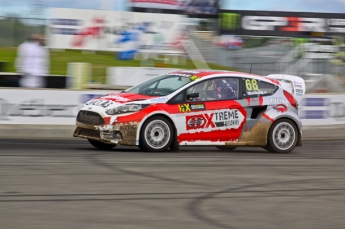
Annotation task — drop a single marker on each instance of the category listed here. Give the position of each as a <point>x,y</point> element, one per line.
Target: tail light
<point>291,99</point>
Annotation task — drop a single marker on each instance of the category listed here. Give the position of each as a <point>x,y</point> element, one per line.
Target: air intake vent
<point>89,118</point>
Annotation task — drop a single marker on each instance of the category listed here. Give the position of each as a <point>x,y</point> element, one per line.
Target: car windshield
<point>161,85</point>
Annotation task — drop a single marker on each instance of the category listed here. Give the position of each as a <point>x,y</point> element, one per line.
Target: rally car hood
<point>124,97</point>
<point>101,104</point>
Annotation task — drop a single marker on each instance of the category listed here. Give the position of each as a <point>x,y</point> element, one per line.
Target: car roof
<point>210,72</point>
<point>203,73</point>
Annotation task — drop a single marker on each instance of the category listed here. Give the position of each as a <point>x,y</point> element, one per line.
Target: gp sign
<point>289,24</point>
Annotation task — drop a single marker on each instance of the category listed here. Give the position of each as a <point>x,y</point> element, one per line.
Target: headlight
<point>126,109</point>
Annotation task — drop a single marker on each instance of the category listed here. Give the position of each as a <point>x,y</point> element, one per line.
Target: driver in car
<point>224,90</point>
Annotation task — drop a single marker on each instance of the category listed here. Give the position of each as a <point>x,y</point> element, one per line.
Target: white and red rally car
<point>215,108</point>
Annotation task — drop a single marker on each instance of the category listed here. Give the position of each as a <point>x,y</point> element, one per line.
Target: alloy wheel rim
<point>284,136</point>
<point>157,134</point>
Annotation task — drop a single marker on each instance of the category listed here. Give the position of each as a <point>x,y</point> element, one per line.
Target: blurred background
<point>55,55</point>
<point>99,36</point>
<point>115,44</point>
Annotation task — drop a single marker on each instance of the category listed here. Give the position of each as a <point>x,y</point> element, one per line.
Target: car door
<point>254,92</point>
<point>209,112</point>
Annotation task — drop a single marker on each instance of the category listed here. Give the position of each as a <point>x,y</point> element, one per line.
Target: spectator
<point>33,62</point>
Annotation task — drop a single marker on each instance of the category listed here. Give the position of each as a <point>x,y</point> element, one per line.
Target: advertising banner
<point>112,30</point>
<point>191,8</point>
<point>43,107</point>
<point>286,24</point>
<point>322,109</point>
<point>60,107</point>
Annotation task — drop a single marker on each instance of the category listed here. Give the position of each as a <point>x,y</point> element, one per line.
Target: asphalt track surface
<point>68,184</point>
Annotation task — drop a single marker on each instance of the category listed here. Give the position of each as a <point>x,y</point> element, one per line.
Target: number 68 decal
<point>252,84</point>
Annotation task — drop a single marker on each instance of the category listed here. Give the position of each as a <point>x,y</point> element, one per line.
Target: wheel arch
<point>299,138</point>
<point>290,115</point>
<point>166,115</point>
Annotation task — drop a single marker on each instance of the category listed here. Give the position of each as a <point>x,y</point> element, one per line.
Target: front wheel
<point>101,145</point>
<point>282,136</point>
<point>156,134</point>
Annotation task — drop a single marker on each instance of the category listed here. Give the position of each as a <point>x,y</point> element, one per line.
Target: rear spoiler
<point>295,85</point>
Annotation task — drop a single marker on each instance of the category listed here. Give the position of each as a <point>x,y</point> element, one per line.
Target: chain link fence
<point>276,55</point>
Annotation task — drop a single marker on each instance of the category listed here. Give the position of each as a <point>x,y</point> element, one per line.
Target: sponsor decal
<point>226,118</point>
<point>181,74</point>
<point>298,85</point>
<point>299,94</point>
<point>159,100</point>
<point>203,128</point>
<point>117,98</point>
<point>195,122</point>
<point>200,121</point>
<point>280,108</point>
<point>184,107</point>
<point>256,92</point>
<point>191,107</point>
<point>197,106</point>
<point>128,127</point>
<point>279,100</point>
<point>101,103</point>
<point>194,78</point>
<point>299,90</point>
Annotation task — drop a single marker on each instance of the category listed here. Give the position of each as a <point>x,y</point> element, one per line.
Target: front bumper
<point>119,133</point>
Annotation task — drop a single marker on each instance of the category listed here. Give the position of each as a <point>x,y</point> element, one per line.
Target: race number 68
<point>252,84</point>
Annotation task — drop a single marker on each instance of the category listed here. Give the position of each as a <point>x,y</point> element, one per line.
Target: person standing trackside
<point>33,62</point>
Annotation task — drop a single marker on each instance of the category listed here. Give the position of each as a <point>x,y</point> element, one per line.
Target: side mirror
<point>192,95</point>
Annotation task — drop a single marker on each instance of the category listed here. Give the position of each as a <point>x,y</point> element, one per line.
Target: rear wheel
<point>101,145</point>
<point>156,134</point>
<point>225,148</point>
<point>282,136</point>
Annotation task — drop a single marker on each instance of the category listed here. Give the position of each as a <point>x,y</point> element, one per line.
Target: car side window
<point>179,98</point>
<point>253,87</point>
<point>225,88</point>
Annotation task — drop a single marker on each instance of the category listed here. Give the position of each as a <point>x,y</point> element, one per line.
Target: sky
<point>24,8</point>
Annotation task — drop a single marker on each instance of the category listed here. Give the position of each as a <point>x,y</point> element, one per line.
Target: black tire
<point>282,136</point>
<point>101,145</point>
<point>226,148</point>
<point>156,135</point>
